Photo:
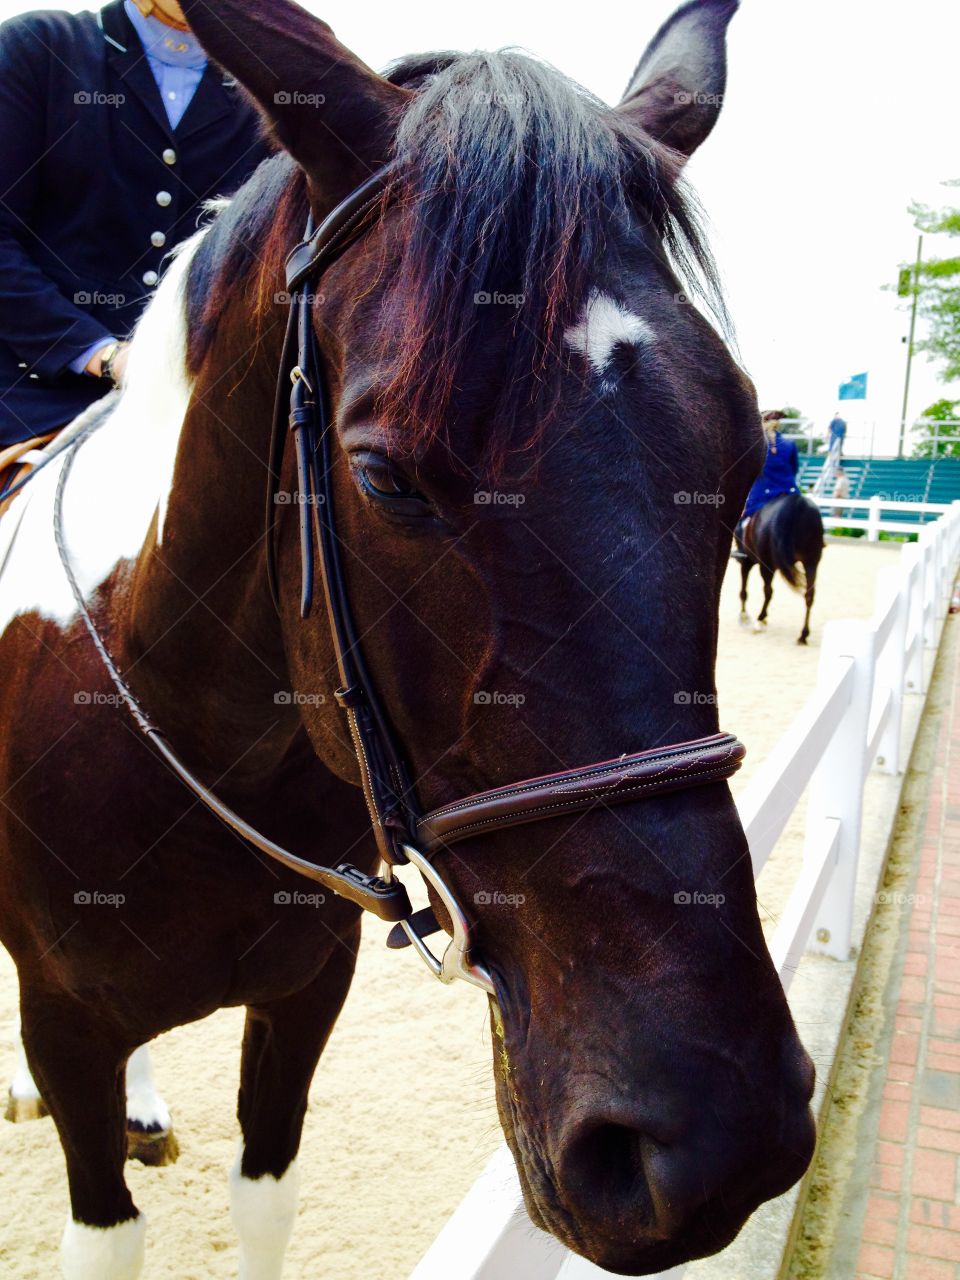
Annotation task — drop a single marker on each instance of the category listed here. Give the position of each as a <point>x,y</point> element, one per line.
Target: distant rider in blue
<point>779,476</point>
<point>838,431</point>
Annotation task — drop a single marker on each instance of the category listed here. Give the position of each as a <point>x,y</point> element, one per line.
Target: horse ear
<point>676,92</point>
<point>335,116</point>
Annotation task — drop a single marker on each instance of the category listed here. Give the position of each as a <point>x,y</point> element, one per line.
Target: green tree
<point>937,289</point>
<point>926,430</point>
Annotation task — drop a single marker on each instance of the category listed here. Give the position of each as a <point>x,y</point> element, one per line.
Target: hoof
<point>154,1147</point>
<point>20,1110</point>
<point>759,628</point>
<point>801,640</point>
<point>745,619</point>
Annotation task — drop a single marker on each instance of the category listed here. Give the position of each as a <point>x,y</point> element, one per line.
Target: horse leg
<point>745,567</point>
<point>23,1097</point>
<point>150,1136</point>
<point>766,574</point>
<point>282,1043</point>
<point>811,572</point>
<point>78,1065</point>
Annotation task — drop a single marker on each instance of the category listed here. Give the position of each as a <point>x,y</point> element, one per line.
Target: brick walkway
<point>911,1227</point>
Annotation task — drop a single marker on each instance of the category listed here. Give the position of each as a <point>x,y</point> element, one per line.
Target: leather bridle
<point>404,834</point>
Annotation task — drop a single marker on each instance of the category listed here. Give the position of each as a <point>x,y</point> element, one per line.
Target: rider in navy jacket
<point>779,474</point>
<point>96,186</point>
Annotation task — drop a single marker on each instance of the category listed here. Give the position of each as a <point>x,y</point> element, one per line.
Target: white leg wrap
<point>263,1212</point>
<point>103,1253</point>
<point>144,1104</point>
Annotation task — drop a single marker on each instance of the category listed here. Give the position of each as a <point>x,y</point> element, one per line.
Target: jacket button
<point>150,278</point>
<point>158,239</point>
<point>169,156</point>
<point>164,198</point>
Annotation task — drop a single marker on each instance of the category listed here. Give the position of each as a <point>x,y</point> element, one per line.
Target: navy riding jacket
<point>95,189</point>
<point>779,475</point>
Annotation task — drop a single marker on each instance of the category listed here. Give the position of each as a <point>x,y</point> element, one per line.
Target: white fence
<point>851,722</point>
<point>836,514</point>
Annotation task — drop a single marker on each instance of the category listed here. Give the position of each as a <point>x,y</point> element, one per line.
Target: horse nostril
<point>604,1166</point>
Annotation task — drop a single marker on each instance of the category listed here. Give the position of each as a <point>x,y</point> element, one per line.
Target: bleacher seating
<point>895,479</point>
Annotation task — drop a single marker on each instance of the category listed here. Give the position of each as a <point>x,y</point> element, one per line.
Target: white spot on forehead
<point>604,324</point>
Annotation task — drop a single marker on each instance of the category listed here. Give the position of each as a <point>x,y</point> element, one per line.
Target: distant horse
<point>785,533</point>
<point>501,326</point>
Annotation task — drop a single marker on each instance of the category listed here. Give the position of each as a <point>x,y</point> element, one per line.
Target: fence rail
<point>874,523</point>
<point>850,724</point>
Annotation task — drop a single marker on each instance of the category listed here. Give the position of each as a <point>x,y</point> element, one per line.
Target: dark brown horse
<point>516,397</point>
<point>786,534</point>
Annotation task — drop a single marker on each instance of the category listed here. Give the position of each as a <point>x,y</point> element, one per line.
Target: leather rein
<point>403,832</point>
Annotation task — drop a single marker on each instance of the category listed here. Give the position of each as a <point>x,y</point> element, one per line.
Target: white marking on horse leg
<point>263,1212</point>
<point>24,1101</point>
<point>103,1253</point>
<point>145,1107</point>
<point>604,324</point>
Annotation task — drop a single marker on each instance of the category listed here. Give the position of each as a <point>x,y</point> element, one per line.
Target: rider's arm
<point>40,324</point>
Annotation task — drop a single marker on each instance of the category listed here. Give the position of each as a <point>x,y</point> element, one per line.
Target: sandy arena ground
<point>407,1070</point>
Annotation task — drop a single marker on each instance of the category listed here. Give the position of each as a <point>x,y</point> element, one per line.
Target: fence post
<point>928,552</point>
<point>836,788</point>
<point>891,662</point>
<point>912,560</point>
<point>873,519</point>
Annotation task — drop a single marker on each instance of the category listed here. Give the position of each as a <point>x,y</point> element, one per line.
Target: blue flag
<point>855,389</point>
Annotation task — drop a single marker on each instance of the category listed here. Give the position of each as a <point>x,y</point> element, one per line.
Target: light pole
<point>913,326</point>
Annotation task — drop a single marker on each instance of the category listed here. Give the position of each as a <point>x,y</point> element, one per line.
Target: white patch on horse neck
<point>605,323</point>
<point>263,1212</point>
<point>121,476</point>
<point>145,1106</point>
<point>103,1253</point>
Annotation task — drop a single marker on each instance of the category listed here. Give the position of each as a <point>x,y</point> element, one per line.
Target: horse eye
<point>381,480</point>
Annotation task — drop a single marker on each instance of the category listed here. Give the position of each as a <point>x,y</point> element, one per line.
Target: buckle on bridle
<point>297,375</point>
<point>456,961</point>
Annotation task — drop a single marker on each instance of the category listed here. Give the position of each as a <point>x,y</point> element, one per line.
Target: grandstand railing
<point>850,724</point>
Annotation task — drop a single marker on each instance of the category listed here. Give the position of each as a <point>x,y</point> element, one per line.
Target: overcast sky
<point>838,113</point>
